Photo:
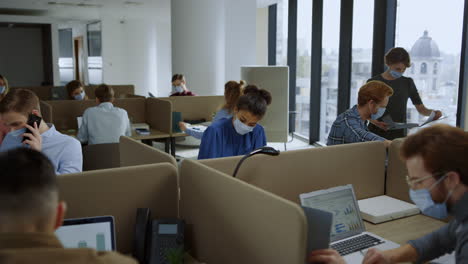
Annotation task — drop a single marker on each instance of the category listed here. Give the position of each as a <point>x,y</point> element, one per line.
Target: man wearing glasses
<point>437,162</point>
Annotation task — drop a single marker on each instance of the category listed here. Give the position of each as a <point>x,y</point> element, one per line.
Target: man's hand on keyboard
<point>375,256</point>
<point>325,256</point>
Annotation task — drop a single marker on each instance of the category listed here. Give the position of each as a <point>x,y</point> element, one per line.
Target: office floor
<point>191,152</point>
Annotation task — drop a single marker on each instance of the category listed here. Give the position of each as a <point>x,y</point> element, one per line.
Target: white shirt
<point>104,124</point>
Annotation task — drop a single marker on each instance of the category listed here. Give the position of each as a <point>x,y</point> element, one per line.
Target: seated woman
<point>232,92</point>
<point>241,134</point>
<point>179,87</point>
<point>351,126</point>
<point>76,91</point>
<point>3,91</point>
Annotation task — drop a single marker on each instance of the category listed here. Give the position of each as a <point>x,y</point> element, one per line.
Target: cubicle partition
<point>119,192</point>
<point>43,92</point>
<point>196,107</point>
<point>46,111</point>
<point>301,171</point>
<point>396,173</point>
<point>120,91</point>
<point>230,221</point>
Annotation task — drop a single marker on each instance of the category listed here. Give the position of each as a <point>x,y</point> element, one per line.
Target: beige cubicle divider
<point>135,107</point>
<point>396,173</point>
<point>46,112</point>
<point>43,92</point>
<point>119,192</point>
<point>65,112</point>
<point>229,221</point>
<point>196,107</point>
<point>301,171</point>
<point>133,152</point>
<point>120,91</point>
<point>101,156</point>
<point>159,114</point>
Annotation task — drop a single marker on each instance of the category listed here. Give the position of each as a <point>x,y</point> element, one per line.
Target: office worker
<point>15,110</point>
<point>179,86</point>
<point>232,92</point>
<point>30,212</point>
<point>76,91</point>
<point>4,88</point>
<point>240,134</point>
<point>397,60</point>
<point>104,123</point>
<point>350,126</point>
<point>438,181</point>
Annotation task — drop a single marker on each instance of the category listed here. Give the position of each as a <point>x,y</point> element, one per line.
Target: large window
<point>363,28</point>
<point>282,33</point>
<point>65,55</point>
<point>304,32</point>
<point>329,79</point>
<point>432,36</point>
<point>94,53</point>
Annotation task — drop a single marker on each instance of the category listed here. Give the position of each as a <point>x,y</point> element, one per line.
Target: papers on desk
<point>395,125</point>
<point>142,131</point>
<point>79,120</point>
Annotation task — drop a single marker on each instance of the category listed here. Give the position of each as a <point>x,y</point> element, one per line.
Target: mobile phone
<point>31,120</point>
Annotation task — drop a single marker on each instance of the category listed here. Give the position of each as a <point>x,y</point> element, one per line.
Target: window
<point>329,79</point>
<point>282,33</point>
<point>65,56</point>
<point>363,21</point>
<point>303,53</point>
<point>94,53</point>
<point>423,68</point>
<point>424,34</point>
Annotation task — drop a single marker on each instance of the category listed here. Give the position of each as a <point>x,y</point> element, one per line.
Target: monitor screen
<point>167,229</point>
<point>341,203</point>
<point>97,235</point>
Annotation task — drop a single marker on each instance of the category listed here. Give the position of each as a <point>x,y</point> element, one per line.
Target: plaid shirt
<point>350,128</point>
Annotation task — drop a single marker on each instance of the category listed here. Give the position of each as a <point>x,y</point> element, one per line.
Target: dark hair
<point>232,91</point>
<point>22,101</point>
<point>104,93</point>
<point>397,55</point>
<point>254,100</point>
<point>27,181</point>
<point>177,76</point>
<point>443,148</point>
<point>72,86</point>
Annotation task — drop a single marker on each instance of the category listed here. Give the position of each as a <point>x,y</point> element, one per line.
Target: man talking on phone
<point>20,112</point>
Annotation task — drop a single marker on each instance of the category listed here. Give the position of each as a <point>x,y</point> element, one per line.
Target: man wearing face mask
<point>351,125</point>
<point>241,134</point>
<point>397,60</point>
<point>438,182</point>
<point>75,91</point>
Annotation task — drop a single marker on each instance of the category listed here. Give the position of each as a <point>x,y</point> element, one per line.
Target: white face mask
<point>242,128</point>
<point>178,89</point>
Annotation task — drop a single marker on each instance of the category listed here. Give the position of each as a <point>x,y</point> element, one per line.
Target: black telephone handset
<point>31,120</point>
<point>154,239</point>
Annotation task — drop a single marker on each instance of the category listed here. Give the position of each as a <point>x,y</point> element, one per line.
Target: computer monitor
<point>91,232</point>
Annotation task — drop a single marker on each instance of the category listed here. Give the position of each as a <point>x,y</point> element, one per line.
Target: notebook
<point>385,208</point>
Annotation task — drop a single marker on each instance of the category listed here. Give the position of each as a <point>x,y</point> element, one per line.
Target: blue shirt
<point>350,128</point>
<point>63,151</point>
<point>221,114</point>
<point>221,140</point>
<point>104,124</point>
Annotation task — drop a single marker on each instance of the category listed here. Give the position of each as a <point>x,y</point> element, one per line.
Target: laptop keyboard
<point>356,244</point>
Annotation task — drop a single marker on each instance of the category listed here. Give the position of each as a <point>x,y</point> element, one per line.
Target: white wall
<point>262,36</point>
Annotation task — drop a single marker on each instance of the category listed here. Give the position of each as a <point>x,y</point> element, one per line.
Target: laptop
<point>90,232</point>
<point>348,234</point>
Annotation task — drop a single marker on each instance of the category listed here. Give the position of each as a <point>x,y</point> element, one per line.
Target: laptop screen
<point>92,232</point>
<point>339,201</point>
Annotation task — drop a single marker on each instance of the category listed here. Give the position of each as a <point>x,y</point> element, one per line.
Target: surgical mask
<point>423,200</point>
<point>396,74</point>
<point>2,89</point>
<point>80,96</point>
<point>242,128</point>
<point>17,133</point>
<point>178,89</point>
<point>379,113</point>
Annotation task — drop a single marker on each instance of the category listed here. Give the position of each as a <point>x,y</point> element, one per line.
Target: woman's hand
<point>325,256</point>
<point>182,126</point>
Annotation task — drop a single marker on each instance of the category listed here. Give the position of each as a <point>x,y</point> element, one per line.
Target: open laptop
<point>90,232</point>
<point>348,235</point>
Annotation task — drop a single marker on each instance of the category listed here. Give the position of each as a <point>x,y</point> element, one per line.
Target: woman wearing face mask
<point>351,125</point>
<point>3,91</point>
<point>76,91</point>
<point>397,60</point>
<point>241,134</point>
<point>179,87</point>
<point>232,91</point>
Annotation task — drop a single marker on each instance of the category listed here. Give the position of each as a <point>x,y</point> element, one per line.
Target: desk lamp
<point>263,150</point>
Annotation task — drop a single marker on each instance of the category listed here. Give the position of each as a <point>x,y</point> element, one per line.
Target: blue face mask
<point>379,113</point>
<point>80,96</point>
<point>178,89</point>
<point>242,128</point>
<point>2,89</point>
<point>423,200</point>
<point>396,74</point>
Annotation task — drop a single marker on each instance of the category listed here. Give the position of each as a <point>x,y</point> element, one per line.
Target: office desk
<point>402,230</point>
